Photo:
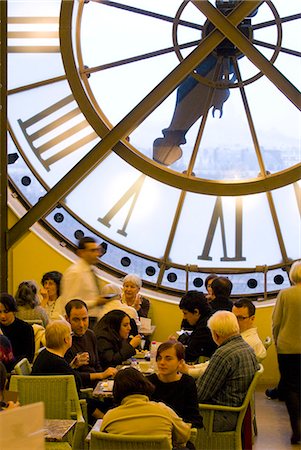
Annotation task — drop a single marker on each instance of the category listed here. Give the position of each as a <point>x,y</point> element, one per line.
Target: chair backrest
<point>267,342</point>
<point>58,392</point>
<point>248,397</point>
<point>23,367</point>
<point>109,441</point>
<point>60,398</point>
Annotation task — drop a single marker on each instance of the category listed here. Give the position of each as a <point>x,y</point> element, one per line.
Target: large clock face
<point>180,124</point>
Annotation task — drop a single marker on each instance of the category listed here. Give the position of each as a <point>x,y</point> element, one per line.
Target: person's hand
<point>135,341</point>
<point>137,302</point>
<point>11,405</point>
<point>183,367</point>
<point>81,359</point>
<point>109,372</point>
<point>172,337</point>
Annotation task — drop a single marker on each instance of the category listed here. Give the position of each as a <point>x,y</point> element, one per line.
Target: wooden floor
<point>274,431</point>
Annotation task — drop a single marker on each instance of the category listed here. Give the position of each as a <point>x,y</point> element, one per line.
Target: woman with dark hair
<point>137,415</point>
<point>16,330</point>
<point>175,389</point>
<point>28,303</point>
<point>50,292</point>
<point>113,343</point>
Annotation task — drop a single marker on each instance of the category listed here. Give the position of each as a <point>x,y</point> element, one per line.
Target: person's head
<point>130,381</point>
<point>111,291</point>
<point>208,282</point>
<point>221,287</point>
<point>244,310</point>
<point>118,322</point>
<point>169,355</point>
<point>194,305</point>
<point>77,316</point>
<point>8,308</point>
<point>295,272</point>
<point>223,325</point>
<point>89,250</point>
<point>58,335</point>
<point>26,294</point>
<point>131,286</point>
<point>51,281</point>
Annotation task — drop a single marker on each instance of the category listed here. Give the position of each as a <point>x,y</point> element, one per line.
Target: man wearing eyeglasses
<point>244,311</point>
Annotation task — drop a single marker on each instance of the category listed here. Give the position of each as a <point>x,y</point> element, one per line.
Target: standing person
<point>230,370</point>
<point>113,342</point>
<point>176,390</point>
<point>28,303</point>
<point>221,290</point>
<point>131,296</point>
<point>50,292</point>
<point>19,333</point>
<point>287,337</point>
<point>196,312</point>
<point>136,414</point>
<point>80,280</point>
<point>83,355</point>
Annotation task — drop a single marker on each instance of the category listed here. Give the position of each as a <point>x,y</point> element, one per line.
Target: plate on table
<point>107,386</point>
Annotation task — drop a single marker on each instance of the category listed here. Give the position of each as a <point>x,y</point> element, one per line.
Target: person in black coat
<point>19,333</point>
<point>196,311</point>
<point>113,342</point>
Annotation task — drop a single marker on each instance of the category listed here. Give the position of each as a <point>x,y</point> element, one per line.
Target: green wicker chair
<point>226,440</point>
<point>23,367</point>
<point>59,394</point>
<point>108,441</point>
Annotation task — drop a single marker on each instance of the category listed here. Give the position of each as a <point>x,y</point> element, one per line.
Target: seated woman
<point>50,292</point>
<point>28,303</point>
<point>131,287</point>
<point>113,343</point>
<point>175,389</point>
<point>19,333</point>
<point>136,414</point>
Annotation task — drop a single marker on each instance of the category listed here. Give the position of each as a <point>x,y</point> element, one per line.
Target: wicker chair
<point>23,367</point>
<point>225,440</point>
<point>59,394</point>
<point>109,441</point>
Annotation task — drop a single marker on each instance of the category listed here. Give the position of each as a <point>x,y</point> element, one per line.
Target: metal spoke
<point>149,14</point>
<point>270,23</point>
<point>273,47</point>
<point>137,58</point>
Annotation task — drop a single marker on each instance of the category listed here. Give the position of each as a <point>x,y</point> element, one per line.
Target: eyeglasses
<point>242,317</point>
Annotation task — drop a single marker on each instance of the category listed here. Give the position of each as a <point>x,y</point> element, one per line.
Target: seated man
<point>244,310</point>
<point>50,361</point>
<point>221,288</point>
<point>229,372</point>
<point>196,311</point>
<point>83,355</point>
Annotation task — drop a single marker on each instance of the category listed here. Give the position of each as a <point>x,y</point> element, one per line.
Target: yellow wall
<point>32,257</point>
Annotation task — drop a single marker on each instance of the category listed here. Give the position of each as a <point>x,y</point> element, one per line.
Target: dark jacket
<point>112,350</point>
<point>199,342</point>
<point>221,303</point>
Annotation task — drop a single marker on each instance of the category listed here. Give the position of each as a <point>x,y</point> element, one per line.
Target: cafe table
<point>56,430</point>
